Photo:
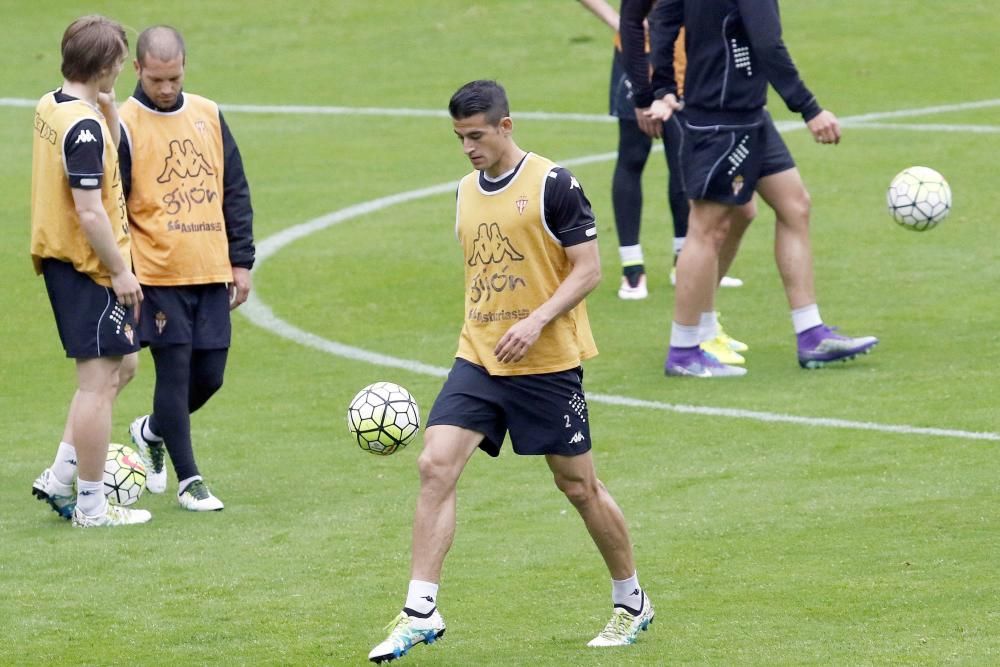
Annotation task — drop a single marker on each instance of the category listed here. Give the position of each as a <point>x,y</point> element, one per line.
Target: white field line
<point>261,314</point>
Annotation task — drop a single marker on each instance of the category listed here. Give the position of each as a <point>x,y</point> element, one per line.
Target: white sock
<point>64,466</point>
<point>678,245</point>
<point>183,484</point>
<point>421,597</point>
<point>90,497</point>
<point>708,327</point>
<point>147,434</point>
<point>631,255</point>
<point>682,335</point>
<point>806,318</point>
<point>627,593</point>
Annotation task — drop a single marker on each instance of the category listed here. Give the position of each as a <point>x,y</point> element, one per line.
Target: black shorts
<point>723,163</point>
<point>90,320</point>
<point>544,413</point>
<point>195,315</point>
<point>620,102</point>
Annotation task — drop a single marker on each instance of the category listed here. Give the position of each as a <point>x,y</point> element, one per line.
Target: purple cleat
<point>695,362</point>
<point>822,345</point>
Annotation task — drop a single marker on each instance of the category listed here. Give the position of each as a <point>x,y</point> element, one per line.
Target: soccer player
<point>634,146</point>
<point>80,244</point>
<point>734,51</point>
<point>529,246</point>
<point>192,222</point>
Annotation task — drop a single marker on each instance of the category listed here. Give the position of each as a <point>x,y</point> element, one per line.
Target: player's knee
<point>578,491</point>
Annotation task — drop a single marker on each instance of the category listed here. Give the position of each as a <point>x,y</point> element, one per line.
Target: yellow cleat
<point>719,348</point>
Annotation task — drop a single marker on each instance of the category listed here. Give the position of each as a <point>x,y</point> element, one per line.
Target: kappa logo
<point>184,161</point>
<point>577,438</point>
<point>492,247</point>
<point>85,137</point>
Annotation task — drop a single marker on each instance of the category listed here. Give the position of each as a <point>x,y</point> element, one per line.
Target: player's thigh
<point>786,193</point>
<point>469,400</point>
<point>98,375</point>
<point>447,449</point>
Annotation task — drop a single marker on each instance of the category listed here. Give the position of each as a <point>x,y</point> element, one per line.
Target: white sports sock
<point>90,497</point>
<point>421,596</point>
<point>631,255</point>
<point>627,593</point>
<point>147,434</point>
<point>64,466</point>
<point>682,335</point>
<point>708,327</point>
<point>806,317</point>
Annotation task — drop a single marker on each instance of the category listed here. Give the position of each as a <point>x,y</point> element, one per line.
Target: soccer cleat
<point>60,497</point>
<point>635,292</point>
<point>719,349</point>
<point>727,281</point>
<point>197,498</point>
<point>822,345</point>
<point>152,455</point>
<point>695,362</point>
<point>113,515</point>
<point>734,345</point>
<point>405,632</point>
<point>624,626</point>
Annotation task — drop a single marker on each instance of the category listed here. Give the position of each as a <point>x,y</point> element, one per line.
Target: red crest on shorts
<point>161,322</point>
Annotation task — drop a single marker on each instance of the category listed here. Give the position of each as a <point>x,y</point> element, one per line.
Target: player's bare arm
<point>97,228</point>
<point>581,281</point>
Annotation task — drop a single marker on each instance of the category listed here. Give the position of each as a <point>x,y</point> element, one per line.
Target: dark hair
<point>91,45</point>
<point>487,97</point>
<point>163,42</point>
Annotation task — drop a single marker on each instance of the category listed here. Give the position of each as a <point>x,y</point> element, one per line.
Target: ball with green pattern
<point>383,418</point>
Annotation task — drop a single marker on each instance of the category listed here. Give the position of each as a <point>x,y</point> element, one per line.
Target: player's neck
<point>84,91</point>
<point>507,162</point>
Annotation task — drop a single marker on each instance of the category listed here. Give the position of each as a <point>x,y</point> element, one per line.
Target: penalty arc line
<point>260,314</point>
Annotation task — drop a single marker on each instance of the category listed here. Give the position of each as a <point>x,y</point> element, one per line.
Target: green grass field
<point>839,517</point>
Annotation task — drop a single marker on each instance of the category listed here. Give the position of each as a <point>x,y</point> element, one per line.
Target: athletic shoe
<point>719,348</point>
<point>60,497</point>
<point>695,362</point>
<point>405,632</point>
<point>113,515</point>
<point>732,343</point>
<point>197,498</point>
<point>624,626</point>
<point>633,292</point>
<point>822,345</point>
<point>727,281</point>
<point>152,454</point>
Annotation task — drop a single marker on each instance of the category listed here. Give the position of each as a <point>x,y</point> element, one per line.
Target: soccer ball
<point>124,475</point>
<point>919,198</point>
<point>383,417</point>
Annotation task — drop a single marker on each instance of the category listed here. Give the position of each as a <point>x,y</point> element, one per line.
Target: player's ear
<point>506,125</point>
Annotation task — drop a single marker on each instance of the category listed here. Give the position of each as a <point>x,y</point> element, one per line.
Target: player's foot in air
<point>822,345</point>
<point>695,362</point>
<point>152,454</point>
<point>633,288</point>
<point>625,625</point>
<point>405,632</point>
<point>197,498</point>
<point>113,515</point>
<point>60,497</point>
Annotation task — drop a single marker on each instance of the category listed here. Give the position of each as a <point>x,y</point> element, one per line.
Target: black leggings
<point>185,380</point>
<point>634,147</point>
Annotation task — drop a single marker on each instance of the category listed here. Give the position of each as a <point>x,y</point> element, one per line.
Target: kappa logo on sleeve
<point>85,137</point>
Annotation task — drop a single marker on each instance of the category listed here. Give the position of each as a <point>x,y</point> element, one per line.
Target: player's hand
<point>514,344</point>
<point>650,126</point>
<point>127,290</point>
<point>239,289</point>
<point>825,128</point>
<point>105,100</point>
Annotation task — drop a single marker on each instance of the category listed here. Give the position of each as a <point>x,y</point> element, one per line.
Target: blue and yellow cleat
<point>625,625</point>
<point>405,632</point>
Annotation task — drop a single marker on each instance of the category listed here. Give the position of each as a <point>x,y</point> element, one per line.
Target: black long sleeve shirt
<point>734,49</point>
